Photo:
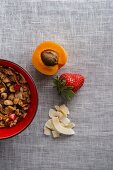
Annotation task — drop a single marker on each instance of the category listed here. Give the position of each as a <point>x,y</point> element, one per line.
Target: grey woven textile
<point>85,29</point>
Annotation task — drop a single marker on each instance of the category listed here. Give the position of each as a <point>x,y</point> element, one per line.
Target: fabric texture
<point>85,29</point>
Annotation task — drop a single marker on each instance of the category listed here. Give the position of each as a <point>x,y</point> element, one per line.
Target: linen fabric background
<point>85,29</point>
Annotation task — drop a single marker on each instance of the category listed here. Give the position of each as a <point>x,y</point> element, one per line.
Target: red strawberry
<point>12,116</point>
<point>67,84</point>
<point>17,87</point>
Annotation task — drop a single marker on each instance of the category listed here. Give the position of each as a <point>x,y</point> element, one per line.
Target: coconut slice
<point>55,134</point>
<point>70,125</point>
<point>49,124</point>
<point>47,131</point>
<point>52,113</point>
<point>57,107</point>
<point>60,128</point>
<point>60,115</point>
<point>65,121</point>
<point>64,109</point>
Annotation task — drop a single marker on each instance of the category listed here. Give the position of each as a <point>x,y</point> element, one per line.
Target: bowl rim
<point>37,98</point>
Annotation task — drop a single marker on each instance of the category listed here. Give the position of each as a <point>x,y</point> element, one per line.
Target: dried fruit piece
<point>17,87</point>
<point>60,128</point>
<point>12,116</point>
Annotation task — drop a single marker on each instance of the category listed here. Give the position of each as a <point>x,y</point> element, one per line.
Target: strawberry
<point>67,84</point>
<point>17,87</point>
<point>12,116</point>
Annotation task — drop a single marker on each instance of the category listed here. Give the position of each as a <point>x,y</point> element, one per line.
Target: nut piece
<point>2,89</point>
<point>47,131</point>
<point>11,97</point>
<point>6,80</point>
<point>11,88</point>
<point>60,128</point>
<point>16,100</point>
<point>4,95</point>
<point>55,134</point>
<point>20,103</point>
<point>18,95</point>
<point>8,102</point>
<point>9,109</point>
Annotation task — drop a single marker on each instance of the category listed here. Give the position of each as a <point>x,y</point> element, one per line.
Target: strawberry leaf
<point>63,90</point>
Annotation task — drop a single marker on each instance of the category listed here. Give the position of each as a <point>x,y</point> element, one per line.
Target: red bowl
<point>20,126</point>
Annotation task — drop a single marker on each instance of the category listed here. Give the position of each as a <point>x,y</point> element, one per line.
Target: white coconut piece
<point>70,125</point>
<point>49,124</point>
<point>65,121</point>
<point>47,131</point>
<point>64,109</point>
<point>58,126</point>
<point>60,115</point>
<point>55,134</point>
<point>57,107</point>
<point>52,113</point>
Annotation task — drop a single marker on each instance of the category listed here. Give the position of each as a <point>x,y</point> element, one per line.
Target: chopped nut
<point>11,88</point>
<point>16,100</point>
<point>8,102</point>
<point>4,95</point>
<point>20,103</point>
<point>18,95</point>
<point>2,89</point>
<point>25,107</point>
<point>11,97</point>
<point>8,84</point>
<point>1,107</point>
<point>6,80</point>
<point>9,109</point>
